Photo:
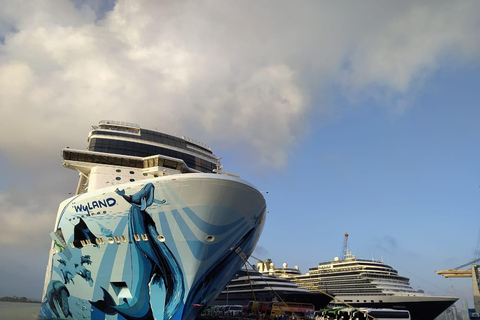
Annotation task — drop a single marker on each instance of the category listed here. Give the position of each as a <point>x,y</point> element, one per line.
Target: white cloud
<point>411,46</point>
<point>241,72</point>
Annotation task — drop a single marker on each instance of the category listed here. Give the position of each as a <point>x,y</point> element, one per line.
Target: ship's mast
<point>345,252</point>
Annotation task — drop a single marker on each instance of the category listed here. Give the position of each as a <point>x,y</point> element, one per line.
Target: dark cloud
<point>387,244</point>
<point>101,8</point>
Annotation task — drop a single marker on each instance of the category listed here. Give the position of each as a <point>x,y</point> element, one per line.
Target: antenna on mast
<point>345,252</point>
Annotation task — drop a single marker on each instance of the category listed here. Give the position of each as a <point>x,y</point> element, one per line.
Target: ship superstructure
<point>359,277</point>
<point>255,285</point>
<point>371,284</point>
<point>155,230</point>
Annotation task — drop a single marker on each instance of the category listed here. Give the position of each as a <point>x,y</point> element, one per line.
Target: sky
<point>355,116</point>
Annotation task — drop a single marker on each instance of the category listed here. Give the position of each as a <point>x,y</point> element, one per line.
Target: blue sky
<point>405,188</point>
<point>355,117</point>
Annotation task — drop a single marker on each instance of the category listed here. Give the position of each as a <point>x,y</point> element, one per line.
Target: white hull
<point>163,249</point>
<point>420,306</point>
<point>395,299</point>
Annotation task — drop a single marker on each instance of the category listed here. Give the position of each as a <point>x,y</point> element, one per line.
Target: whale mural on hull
<point>138,260</point>
<point>158,265</point>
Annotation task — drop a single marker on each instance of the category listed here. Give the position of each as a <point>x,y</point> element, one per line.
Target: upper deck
<point>129,139</point>
<point>120,152</point>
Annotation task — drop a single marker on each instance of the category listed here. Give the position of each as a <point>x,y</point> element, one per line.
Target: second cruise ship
<point>371,284</point>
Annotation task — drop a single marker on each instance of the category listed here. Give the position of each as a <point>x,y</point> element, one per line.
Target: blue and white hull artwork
<point>155,230</point>
<point>160,249</point>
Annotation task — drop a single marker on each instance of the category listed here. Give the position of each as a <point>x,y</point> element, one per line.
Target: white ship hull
<point>371,284</point>
<point>161,248</point>
<point>421,306</point>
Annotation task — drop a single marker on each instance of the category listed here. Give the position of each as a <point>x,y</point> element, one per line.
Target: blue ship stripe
<point>204,226</point>
<point>108,258</point>
<point>167,232</point>
<point>196,245</point>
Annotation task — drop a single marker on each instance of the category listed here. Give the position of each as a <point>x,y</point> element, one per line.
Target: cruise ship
<point>371,284</point>
<point>253,284</point>
<point>155,230</point>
